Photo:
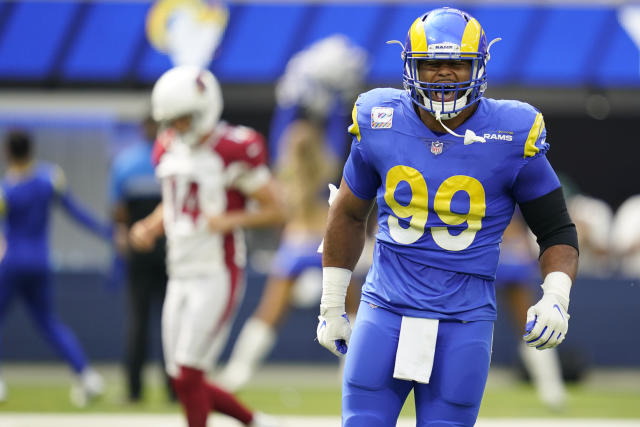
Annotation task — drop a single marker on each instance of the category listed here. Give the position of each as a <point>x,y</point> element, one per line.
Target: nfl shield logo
<point>436,147</point>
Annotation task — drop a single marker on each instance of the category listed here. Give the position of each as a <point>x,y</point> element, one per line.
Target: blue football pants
<point>371,397</point>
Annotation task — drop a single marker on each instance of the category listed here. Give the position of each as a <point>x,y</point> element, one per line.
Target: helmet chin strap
<point>469,136</point>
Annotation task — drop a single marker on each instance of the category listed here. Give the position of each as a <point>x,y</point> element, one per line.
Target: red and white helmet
<point>187,90</point>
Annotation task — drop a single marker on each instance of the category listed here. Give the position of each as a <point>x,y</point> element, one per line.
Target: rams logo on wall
<point>189,31</point>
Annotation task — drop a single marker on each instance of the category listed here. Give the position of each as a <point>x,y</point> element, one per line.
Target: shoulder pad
<point>241,143</point>
<point>162,144</point>
<point>383,98</point>
<point>525,121</point>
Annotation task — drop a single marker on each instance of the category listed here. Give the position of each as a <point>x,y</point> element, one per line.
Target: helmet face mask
<point>445,35</point>
<point>188,100</point>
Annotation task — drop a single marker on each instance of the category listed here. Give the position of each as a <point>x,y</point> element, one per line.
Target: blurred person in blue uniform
<point>307,137</point>
<point>446,167</point>
<point>30,189</point>
<point>516,278</point>
<point>135,192</point>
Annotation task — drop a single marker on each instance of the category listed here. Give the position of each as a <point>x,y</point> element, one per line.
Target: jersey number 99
<point>418,210</point>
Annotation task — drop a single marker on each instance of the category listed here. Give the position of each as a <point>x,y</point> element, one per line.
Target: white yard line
<point>176,420</point>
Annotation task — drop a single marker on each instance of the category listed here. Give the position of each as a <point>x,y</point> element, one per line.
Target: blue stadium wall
<point>602,329</point>
<point>60,43</point>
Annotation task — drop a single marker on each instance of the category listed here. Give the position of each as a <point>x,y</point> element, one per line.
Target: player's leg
<point>188,382</point>
<point>7,292</point>
<point>371,397</point>
<point>138,326</point>
<point>159,279</point>
<point>38,294</point>
<point>219,399</point>
<point>208,305</point>
<point>459,375</point>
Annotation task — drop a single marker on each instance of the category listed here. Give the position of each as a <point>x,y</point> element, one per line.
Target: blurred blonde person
<point>305,168</point>
<point>314,95</point>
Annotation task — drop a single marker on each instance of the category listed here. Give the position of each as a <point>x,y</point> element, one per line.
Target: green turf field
<point>321,396</point>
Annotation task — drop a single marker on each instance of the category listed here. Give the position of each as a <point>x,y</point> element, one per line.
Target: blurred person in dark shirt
<point>135,192</point>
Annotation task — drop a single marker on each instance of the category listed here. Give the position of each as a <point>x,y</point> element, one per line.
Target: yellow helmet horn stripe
<point>418,37</point>
<point>471,36</point>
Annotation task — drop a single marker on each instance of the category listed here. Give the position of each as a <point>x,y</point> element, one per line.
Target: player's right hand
<point>334,330</point>
<point>548,320</point>
<point>142,237</point>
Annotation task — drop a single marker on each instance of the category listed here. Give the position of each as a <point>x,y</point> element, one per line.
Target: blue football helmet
<point>446,34</point>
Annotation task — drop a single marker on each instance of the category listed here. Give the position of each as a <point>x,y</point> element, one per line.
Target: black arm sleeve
<point>548,218</point>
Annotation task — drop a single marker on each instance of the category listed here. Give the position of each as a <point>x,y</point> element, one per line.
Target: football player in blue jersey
<point>446,167</point>
<point>28,192</point>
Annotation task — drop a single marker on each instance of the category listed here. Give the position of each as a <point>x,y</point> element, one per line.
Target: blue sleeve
<point>81,215</point>
<point>363,180</point>
<point>535,179</point>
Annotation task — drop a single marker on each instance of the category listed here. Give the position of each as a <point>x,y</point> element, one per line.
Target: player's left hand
<point>334,330</point>
<point>547,322</point>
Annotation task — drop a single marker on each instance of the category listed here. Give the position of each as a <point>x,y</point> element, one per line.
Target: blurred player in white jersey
<point>209,170</point>
<point>308,135</point>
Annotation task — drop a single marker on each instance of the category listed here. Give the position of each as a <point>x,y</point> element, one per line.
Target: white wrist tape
<point>335,282</point>
<point>559,284</point>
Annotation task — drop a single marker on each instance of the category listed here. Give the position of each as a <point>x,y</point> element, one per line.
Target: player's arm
<point>548,218</point>
<point>120,216</point>
<point>346,229</point>
<point>145,232</point>
<point>343,242</point>
<point>270,211</point>
<point>119,211</point>
<point>74,209</point>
